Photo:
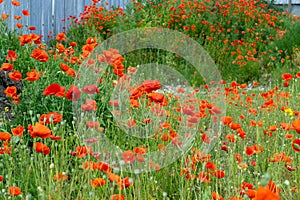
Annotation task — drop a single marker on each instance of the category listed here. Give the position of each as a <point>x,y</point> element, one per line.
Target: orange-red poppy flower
<point>204,177</point>
<point>287,76</point>
<point>296,145</point>
<point>73,44</point>
<point>263,193</point>
<point>54,89</point>
<point>6,67</point>
<point>60,177</point>
<point>296,125</point>
<point>4,136</point>
<point>216,196</point>
<point>32,75</point>
<point>117,197</point>
<point>15,3</point>
<point>128,156</point>
<point>18,131</point>
<point>10,91</point>
<point>39,55</point>
<point>25,13</point>
<point>82,151</point>
<point>4,16</point>
<point>90,89</point>
<point>41,148</point>
<point>11,56</point>
<point>219,174</point>
<point>140,150</point>
<point>39,130</point>
<point>114,178</point>
<point>32,28</point>
<point>226,120</point>
<point>73,93</point>
<point>211,165</point>
<point>98,182</point>
<point>92,124</point>
<point>61,37</point>
<point>15,75</point>
<point>51,117</point>
<point>16,191</point>
<point>17,17</point>
<point>102,166</point>
<point>89,105</point>
<point>18,25</point>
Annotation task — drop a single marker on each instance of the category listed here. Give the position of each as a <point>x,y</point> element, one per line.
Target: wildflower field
<point>158,100</point>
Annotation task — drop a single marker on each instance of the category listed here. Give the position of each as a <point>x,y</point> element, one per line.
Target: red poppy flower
<point>287,76</point>
<point>234,126</point>
<point>32,75</point>
<point>92,124</point>
<point>226,120</point>
<point>151,85</point>
<point>41,148</point>
<point>131,123</point>
<point>25,13</point>
<point>73,93</point>
<point>156,97</point>
<point>216,196</point>
<point>18,131</point>
<point>117,197</point>
<point>128,156</point>
<point>264,193</point>
<point>205,138</point>
<point>61,37</point>
<point>11,56</point>
<point>60,177</point>
<point>4,136</point>
<point>15,3</point>
<point>6,67</point>
<point>40,131</point>
<point>82,151</point>
<point>4,16</point>
<point>211,165</point>
<point>296,145</point>
<point>32,28</point>
<point>204,177</point>
<point>16,191</point>
<point>296,125</point>
<point>64,67</point>
<point>17,17</point>
<point>89,105</point>
<point>51,117</point>
<point>18,25</point>
<point>102,166</point>
<point>54,89</point>
<point>40,55</point>
<point>73,44</point>
<point>98,182</point>
<point>15,75</point>
<point>140,150</point>
<point>219,174</point>
<point>10,91</point>
<point>90,89</point>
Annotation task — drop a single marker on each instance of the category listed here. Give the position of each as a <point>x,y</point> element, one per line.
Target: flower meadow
<point>237,138</point>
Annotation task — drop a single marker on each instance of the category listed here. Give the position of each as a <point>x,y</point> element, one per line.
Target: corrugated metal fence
<point>47,15</point>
